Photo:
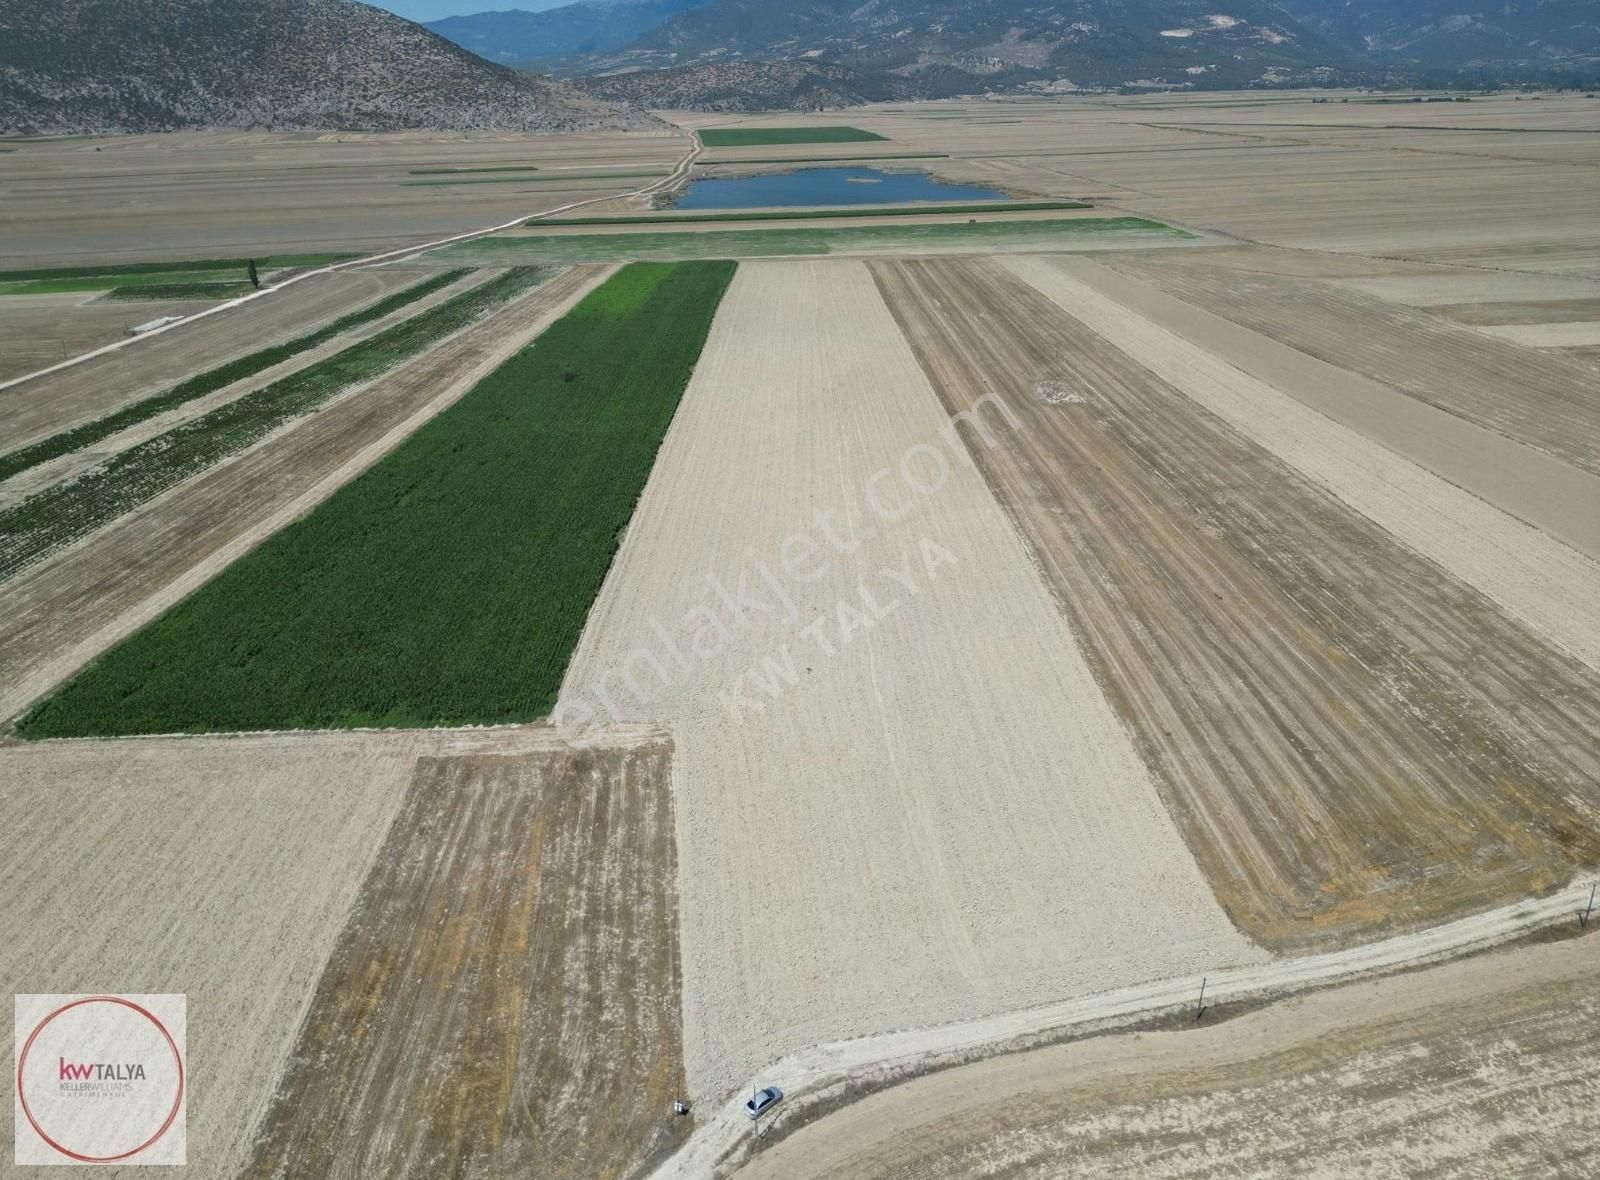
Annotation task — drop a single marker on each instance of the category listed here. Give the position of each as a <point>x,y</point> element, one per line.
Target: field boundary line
<point>679,172</point>
<point>21,694</point>
<point>713,1149</point>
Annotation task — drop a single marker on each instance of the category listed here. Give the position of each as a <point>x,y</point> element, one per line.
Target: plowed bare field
<point>1352,739</point>
<point>901,796</point>
<point>505,997</point>
<point>1544,400</point>
<point>65,611</point>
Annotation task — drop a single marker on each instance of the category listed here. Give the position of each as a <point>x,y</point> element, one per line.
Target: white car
<point>762,1101</point>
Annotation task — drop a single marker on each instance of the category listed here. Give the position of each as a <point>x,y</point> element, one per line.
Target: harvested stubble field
<point>1483,1067</point>
<point>1352,739</point>
<point>227,194</point>
<point>960,236</point>
<point>68,610</point>
<point>511,896</point>
<point>923,808</point>
<point>1544,400</point>
<point>15,462</point>
<point>505,997</point>
<point>62,513</point>
<point>388,605</point>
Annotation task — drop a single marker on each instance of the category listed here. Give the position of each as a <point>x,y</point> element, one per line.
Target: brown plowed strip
<point>504,998</point>
<point>96,387</point>
<point>1545,400</point>
<point>49,613</point>
<point>1351,740</point>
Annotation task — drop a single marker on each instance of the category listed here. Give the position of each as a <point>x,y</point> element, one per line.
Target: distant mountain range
<point>932,48</point>
<point>164,65</point>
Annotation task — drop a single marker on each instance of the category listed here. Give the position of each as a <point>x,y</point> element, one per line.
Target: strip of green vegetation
<point>814,214</point>
<point>756,136</point>
<point>212,380</point>
<point>1042,234</point>
<point>448,584</point>
<point>856,159</point>
<point>63,512</point>
<point>461,171</point>
<point>122,272</point>
<point>112,282</point>
<point>178,290</point>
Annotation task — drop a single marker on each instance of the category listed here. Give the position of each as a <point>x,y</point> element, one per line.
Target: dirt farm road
<point>679,172</point>
<point>719,1142</point>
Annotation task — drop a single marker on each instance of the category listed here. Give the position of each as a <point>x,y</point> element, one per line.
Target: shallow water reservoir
<point>828,186</point>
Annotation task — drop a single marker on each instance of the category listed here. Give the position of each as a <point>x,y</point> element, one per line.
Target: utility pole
<point>1201,1009</point>
<point>1583,914</point>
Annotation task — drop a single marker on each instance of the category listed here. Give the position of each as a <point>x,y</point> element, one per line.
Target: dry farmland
<point>1245,612</point>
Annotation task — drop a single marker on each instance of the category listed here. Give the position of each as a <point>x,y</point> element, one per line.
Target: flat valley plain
<point>1252,614</point>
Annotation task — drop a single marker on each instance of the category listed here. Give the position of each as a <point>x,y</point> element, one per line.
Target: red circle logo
<point>94,1079</point>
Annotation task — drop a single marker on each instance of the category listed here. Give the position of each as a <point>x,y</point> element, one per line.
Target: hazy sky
<point>434,9</point>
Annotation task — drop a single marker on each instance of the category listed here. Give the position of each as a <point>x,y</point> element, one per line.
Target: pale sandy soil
<point>56,401</point>
<point>1544,583</point>
<point>211,194</point>
<point>28,482</point>
<point>941,819</point>
<point>78,602</point>
<point>40,330</point>
<point>1583,334</point>
<point>1444,290</point>
<point>1481,1067</point>
<point>221,869</point>
<point>1447,427</point>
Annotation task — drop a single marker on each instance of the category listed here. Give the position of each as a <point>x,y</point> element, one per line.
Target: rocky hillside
<point>118,66</point>
<point>961,46</point>
<point>518,37</point>
<point>745,86</point>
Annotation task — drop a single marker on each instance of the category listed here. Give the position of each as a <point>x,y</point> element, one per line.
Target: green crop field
<point>1043,235</point>
<point>757,136</point>
<point>63,512</point>
<point>205,290</point>
<point>449,583</point>
<point>55,280</point>
<point>67,441</point>
<point>543,178</point>
<point>813,214</point>
<point>857,158</point>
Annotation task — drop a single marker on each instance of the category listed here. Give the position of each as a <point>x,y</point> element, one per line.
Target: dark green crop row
<point>114,269</point>
<point>811,214</point>
<point>449,583</point>
<point>757,136</point>
<point>212,380</point>
<point>63,512</point>
<point>149,291</point>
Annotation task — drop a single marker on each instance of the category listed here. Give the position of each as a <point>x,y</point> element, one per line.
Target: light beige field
<point>1482,1067</point>
<point>225,194</point>
<point>941,818</point>
<point>41,330</point>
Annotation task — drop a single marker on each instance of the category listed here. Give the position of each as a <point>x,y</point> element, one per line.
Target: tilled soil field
<point>94,387</point>
<point>1483,1067</point>
<point>901,797</point>
<point>62,613</point>
<point>504,999</point>
<point>1541,399</point>
<point>1353,740</point>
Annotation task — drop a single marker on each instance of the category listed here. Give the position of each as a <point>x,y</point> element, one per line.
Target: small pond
<point>828,186</point>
